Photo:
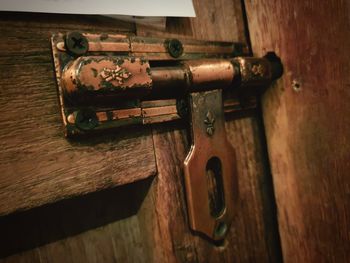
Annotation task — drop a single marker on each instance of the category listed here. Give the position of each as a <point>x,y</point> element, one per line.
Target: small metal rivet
<point>76,43</point>
<point>71,118</point>
<point>175,48</point>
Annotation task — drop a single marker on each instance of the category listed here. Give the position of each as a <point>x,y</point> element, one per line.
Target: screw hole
<point>220,230</point>
<point>296,85</point>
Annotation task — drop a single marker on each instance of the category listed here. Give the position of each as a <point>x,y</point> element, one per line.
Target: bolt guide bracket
<point>108,81</point>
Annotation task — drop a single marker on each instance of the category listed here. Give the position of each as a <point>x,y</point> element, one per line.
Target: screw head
<point>86,119</point>
<point>76,43</point>
<point>175,48</point>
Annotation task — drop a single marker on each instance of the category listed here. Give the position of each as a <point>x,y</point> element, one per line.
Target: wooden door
<point>307,122</point>
<point>120,197</point>
<point>116,197</point>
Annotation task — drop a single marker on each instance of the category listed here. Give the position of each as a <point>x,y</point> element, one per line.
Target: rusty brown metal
<point>121,77</point>
<point>254,72</point>
<point>109,81</point>
<point>99,42</point>
<point>169,81</point>
<point>159,111</point>
<point>209,73</point>
<point>133,77</point>
<point>147,112</point>
<point>193,75</point>
<point>153,48</point>
<point>97,74</point>
<point>209,142</point>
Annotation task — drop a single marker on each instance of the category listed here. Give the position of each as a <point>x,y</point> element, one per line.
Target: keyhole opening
<point>215,187</point>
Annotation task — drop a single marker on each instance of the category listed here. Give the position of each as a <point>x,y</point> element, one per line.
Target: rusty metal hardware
<point>210,172</point>
<point>175,48</point>
<point>76,43</point>
<point>108,81</point>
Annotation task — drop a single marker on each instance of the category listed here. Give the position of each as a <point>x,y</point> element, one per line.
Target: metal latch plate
<point>84,63</point>
<point>210,171</point>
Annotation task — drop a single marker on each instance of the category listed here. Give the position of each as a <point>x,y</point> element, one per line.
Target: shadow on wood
<point>46,224</point>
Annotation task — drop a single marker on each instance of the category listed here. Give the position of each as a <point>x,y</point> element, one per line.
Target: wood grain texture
<point>253,235</point>
<point>145,221</point>
<point>37,164</point>
<point>306,115</point>
<point>98,227</point>
<point>219,20</point>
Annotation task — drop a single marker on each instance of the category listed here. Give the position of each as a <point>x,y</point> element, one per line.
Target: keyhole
<point>215,187</point>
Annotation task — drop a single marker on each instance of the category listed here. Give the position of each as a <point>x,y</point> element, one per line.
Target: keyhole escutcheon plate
<point>210,167</point>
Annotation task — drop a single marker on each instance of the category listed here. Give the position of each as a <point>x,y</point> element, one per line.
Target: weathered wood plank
<point>37,164</point>
<point>306,115</point>
<point>218,20</point>
<point>98,227</point>
<point>158,231</point>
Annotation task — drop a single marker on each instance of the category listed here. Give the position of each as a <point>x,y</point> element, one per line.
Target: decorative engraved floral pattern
<point>258,70</point>
<point>120,74</point>
<point>210,121</point>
